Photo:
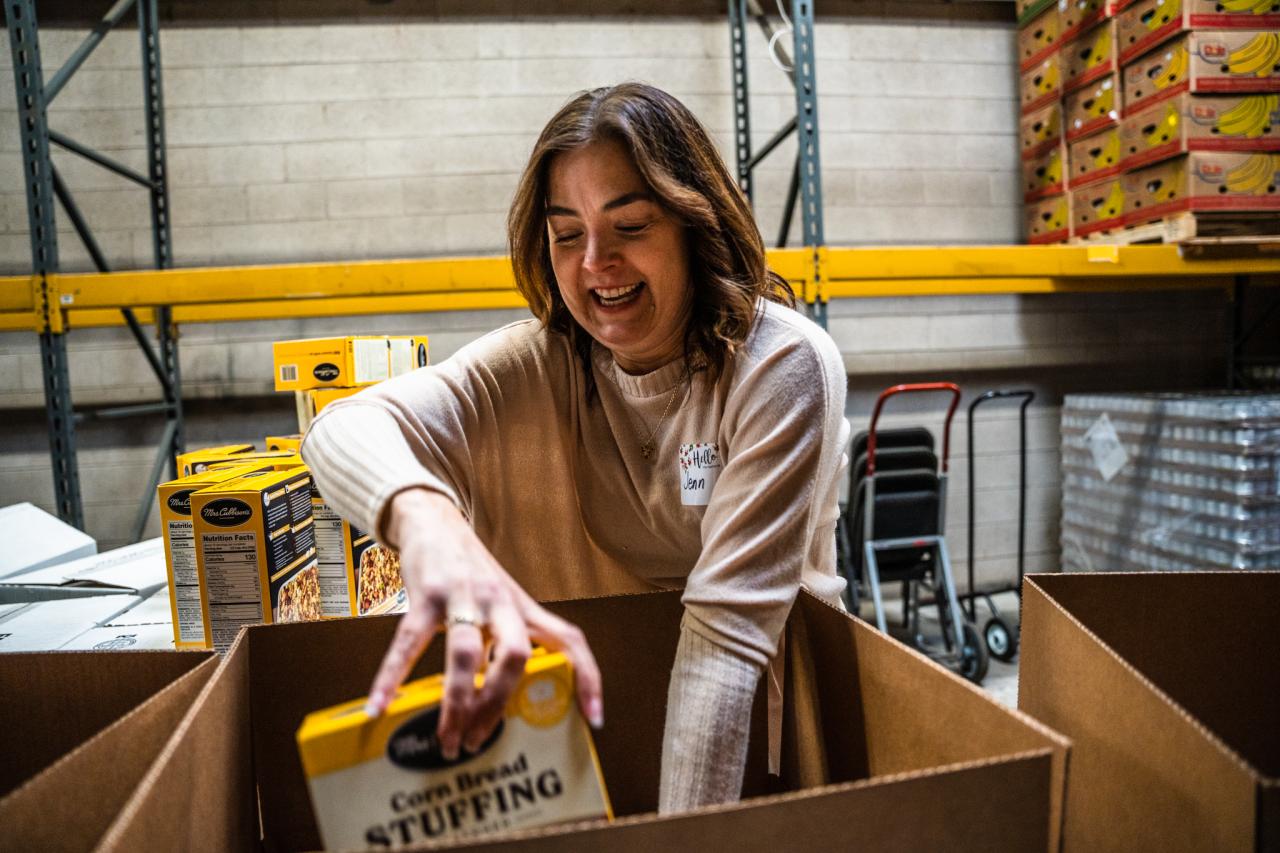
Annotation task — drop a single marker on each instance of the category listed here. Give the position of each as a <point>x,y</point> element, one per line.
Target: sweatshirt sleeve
<point>781,449</point>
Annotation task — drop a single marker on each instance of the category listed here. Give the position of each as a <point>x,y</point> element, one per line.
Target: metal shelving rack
<point>43,185</point>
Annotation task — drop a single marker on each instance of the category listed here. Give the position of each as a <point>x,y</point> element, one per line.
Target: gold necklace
<point>647,445</point>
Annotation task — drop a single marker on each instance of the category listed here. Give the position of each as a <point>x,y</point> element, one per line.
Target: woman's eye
<point>633,229</point>
<point>561,239</point>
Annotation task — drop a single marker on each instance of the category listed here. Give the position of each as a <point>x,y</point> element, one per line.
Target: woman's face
<point>620,260</point>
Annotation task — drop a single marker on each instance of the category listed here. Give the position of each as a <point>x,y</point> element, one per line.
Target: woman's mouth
<point>612,297</point>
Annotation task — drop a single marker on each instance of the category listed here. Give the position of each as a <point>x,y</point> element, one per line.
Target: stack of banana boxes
<point>358,577</point>
<point>1136,111</point>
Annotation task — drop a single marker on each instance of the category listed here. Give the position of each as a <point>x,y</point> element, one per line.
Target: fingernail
<point>595,714</point>
<point>372,708</point>
<point>473,744</point>
<point>449,750</point>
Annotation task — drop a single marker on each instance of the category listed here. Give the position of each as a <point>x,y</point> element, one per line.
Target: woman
<point>667,421</point>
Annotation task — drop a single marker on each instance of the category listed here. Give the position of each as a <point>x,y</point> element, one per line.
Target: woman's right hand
<point>454,582</point>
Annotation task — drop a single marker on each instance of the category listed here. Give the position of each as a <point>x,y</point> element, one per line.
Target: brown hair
<point>677,159</point>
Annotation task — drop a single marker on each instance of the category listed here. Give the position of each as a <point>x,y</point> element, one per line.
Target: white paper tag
<point>1104,443</point>
<point>699,468</point>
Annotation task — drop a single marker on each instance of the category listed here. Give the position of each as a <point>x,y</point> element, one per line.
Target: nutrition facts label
<point>232,583</point>
<point>186,582</point>
<point>335,594</point>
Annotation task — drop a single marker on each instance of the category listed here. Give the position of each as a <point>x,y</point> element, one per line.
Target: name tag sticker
<point>699,467</point>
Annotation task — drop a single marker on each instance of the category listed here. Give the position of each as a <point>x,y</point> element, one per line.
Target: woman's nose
<point>600,254</point>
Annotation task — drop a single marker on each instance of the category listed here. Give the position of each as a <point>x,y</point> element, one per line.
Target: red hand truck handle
<point>907,389</point>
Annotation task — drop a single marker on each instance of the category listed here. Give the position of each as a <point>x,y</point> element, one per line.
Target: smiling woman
<point>667,420</point>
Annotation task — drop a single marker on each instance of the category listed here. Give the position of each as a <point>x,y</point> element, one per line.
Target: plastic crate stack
<point>1170,482</point>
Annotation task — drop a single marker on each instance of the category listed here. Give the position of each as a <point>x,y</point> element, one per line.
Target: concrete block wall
<point>402,136</point>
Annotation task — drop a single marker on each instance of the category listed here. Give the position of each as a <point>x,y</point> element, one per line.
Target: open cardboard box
<point>877,743</point>
<point>1168,685</point>
<point>81,729</point>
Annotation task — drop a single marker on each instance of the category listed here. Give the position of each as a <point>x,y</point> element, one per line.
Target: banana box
<point>1091,109</point>
<point>255,552</point>
<point>358,577</point>
<point>1038,38</point>
<point>1040,131</point>
<point>278,460</point>
<point>174,503</point>
<point>1200,123</point>
<point>289,443</point>
<point>1090,56</point>
<point>1076,16</point>
<point>1227,62</point>
<point>1098,208</point>
<point>312,402</point>
<point>1144,24</point>
<point>1045,175</point>
<point>1041,85</point>
<point>1049,220</point>
<point>1204,181</point>
<point>384,782</point>
<point>1028,10</point>
<point>1094,158</point>
<point>186,461</point>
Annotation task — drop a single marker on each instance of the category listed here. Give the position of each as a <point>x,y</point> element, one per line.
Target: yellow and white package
<point>384,782</point>
<point>358,577</point>
<point>186,461</point>
<point>256,552</point>
<point>289,443</point>
<point>276,460</point>
<point>174,500</point>
<point>312,401</point>
<point>346,362</point>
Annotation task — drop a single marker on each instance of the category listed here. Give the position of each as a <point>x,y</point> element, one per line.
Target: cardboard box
<point>289,443</point>
<point>1203,181</point>
<point>1038,38</point>
<point>35,539</point>
<point>178,532</point>
<point>1094,108</point>
<point>1076,16</point>
<point>874,736</point>
<point>134,570</point>
<point>48,625</point>
<point>91,724</point>
<point>1094,158</point>
<point>346,362</point>
<point>1230,62</point>
<point>255,552</point>
<point>114,638</point>
<point>59,700</point>
<point>1097,207</point>
<point>186,461</point>
<point>1189,122</point>
<point>1045,175</point>
<point>312,402</point>
<point>1090,56</point>
<point>1165,683</point>
<point>1040,131</point>
<point>1049,220</point>
<point>1144,24</point>
<point>277,460</point>
<point>1041,85</point>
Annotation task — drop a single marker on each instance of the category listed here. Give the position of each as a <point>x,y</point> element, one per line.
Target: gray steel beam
<point>81,53</point>
<point>741,108</point>
<point>28,78</point>
<point>810,163</point>
<point>101,159</point>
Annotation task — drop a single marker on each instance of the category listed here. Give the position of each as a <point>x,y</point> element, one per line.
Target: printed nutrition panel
<point>231,578</point>
<point>335,591</point>
<point>186,581</point>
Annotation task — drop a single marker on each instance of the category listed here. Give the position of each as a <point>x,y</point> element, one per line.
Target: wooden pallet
<point>1201,233</point>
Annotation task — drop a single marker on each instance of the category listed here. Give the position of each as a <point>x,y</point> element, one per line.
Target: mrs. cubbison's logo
<point>180,502</point>
<point>226,512</point>
<point>414,746</point>
<point>325,372</point>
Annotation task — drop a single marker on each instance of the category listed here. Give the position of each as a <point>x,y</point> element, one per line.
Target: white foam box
<point>136,570</point>
<point>34,539</point>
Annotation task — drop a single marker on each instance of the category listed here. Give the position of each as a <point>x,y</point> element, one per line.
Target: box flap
<point>69,805</point>
<point>34,539</point>
<point>49,625</point>
<point>137,568</point>
<point>1194,635</point>
<point>119,637</point>
<point>1144,775</point>
<point>61,699</point>
<point>198,794</point>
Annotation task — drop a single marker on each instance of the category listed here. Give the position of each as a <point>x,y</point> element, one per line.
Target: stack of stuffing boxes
<point>1149,111</point>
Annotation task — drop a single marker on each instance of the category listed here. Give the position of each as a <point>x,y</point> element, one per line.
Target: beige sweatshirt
<point>737,506</point>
